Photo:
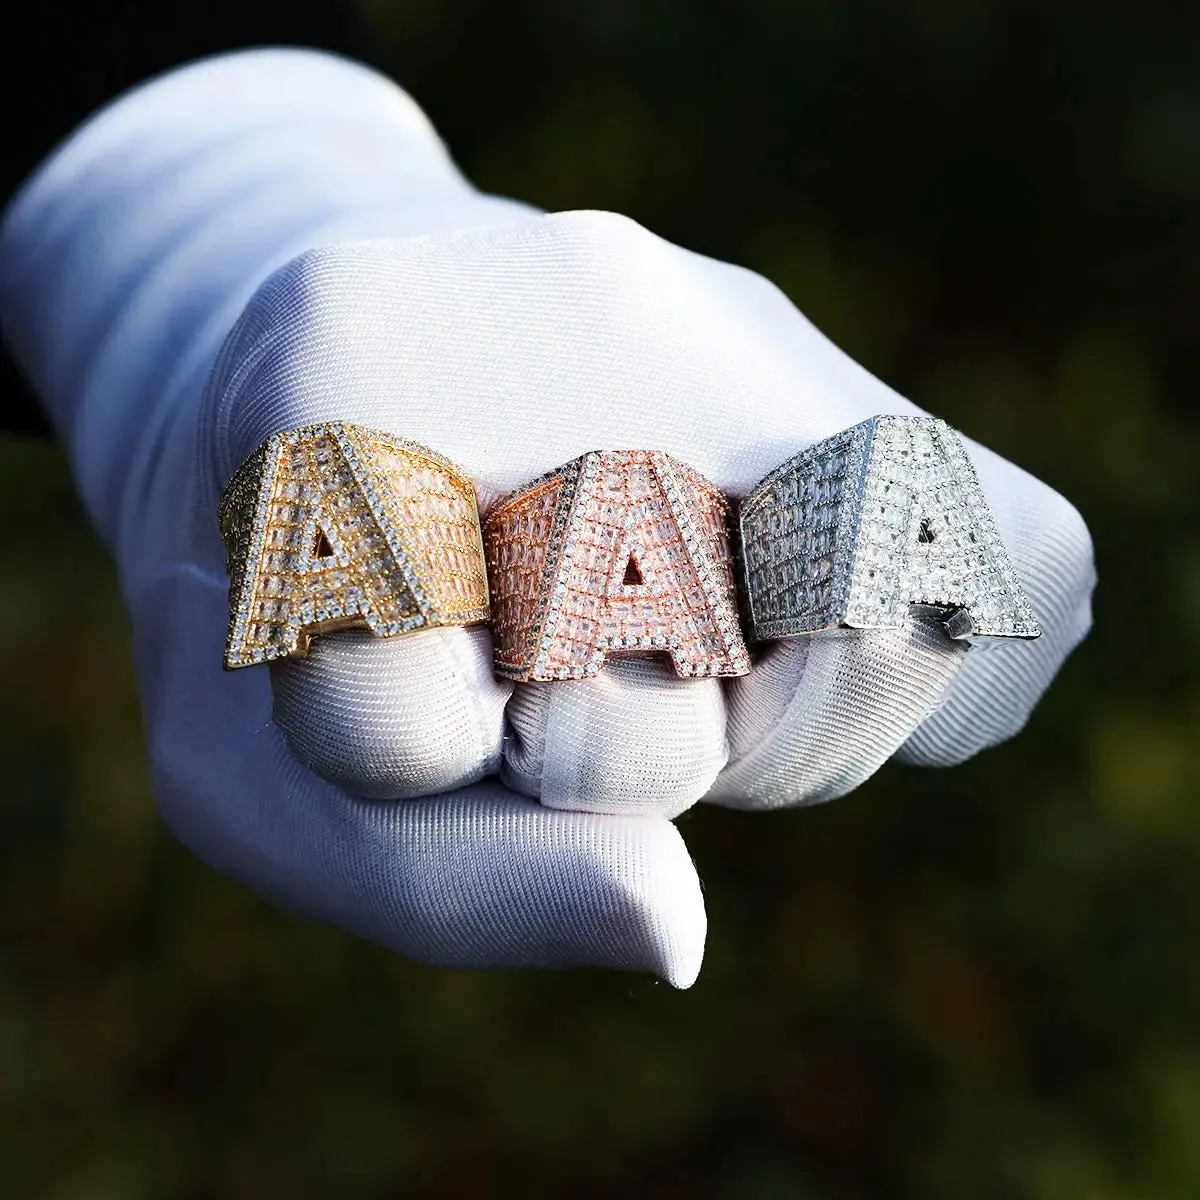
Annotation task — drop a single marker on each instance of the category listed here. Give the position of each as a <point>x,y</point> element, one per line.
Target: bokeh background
<point>981,982</point>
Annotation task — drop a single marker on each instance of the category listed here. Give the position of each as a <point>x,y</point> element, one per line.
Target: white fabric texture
<point>377,710</point>
<point>300,210</point>
<point>634,739</point>
<point>862,694</point>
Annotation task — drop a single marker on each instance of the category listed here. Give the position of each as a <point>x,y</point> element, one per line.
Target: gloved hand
<point>275,238</point>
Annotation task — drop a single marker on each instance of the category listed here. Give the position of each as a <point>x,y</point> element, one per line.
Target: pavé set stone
<point>625,552</point>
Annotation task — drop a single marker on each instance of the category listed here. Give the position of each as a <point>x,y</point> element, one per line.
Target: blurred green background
<point>982,982</point>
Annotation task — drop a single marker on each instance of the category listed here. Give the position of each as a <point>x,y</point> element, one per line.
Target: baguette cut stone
<point>334,526</point>
<point>865,528</point>
<point>623,551</point>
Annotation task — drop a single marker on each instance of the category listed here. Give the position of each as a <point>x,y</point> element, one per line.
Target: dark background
<point>981,982</point>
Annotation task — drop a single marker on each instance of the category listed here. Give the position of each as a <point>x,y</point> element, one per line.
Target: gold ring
<point>334,526</point>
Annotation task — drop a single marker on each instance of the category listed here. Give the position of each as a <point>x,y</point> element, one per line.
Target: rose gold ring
<point>617,552</point>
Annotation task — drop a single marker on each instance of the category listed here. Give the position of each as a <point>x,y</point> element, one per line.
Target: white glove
<point>510,342</point>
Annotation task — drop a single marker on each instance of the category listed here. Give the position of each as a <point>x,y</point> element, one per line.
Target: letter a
<point>881,522</point>
<point>617,552</point>
<point>334,526</point>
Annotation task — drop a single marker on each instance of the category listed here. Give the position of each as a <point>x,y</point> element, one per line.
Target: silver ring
<point>868,528</point>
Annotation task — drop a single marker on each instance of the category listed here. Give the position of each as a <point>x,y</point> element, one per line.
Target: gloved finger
<point>820,714</point>
<point>475,878</point>
<point>993,695</point>
<point>634,739</point>
<point>391,718</point>
<point>394,718</point>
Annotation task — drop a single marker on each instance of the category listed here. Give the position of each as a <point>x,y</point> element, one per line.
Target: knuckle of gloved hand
<point>291,334</point>
<point>607,255</point>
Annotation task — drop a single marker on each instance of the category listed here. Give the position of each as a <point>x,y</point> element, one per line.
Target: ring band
<point>335,526</point>
<point>623,551</point>
<point>865,528</point>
